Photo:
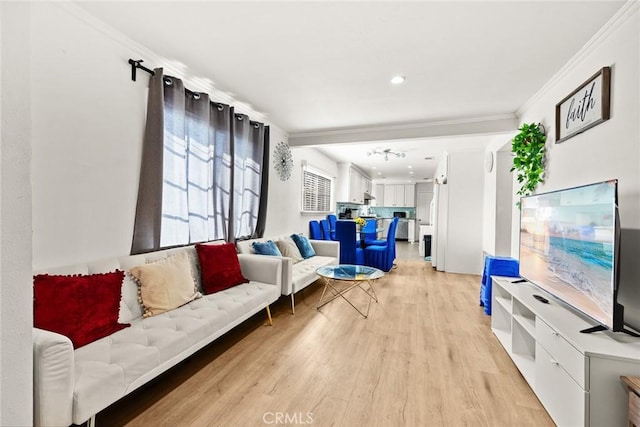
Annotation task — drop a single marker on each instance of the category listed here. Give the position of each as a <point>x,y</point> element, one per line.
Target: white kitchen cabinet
<point>410,195</point>
<point>399,195</point>
<point>356,193</point>
<point>351,185</point>
<point>394,195</point>
<point>365,184</point>
<point>379,195</point>
<point>575,376</point>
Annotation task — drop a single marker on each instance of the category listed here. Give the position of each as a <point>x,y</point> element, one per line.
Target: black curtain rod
<point>135,64</point>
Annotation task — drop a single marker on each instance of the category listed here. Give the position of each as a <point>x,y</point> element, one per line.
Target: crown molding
<point>499,123</point>
<point>153,60</point>
<point>401,126</point>
<point>621,16</point>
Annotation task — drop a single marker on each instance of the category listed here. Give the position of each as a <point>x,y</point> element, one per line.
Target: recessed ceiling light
<point>396,80</point>
<point>410,172</point>
<point>379,173</point>
<point>410,167</point>
<point>373,167</point>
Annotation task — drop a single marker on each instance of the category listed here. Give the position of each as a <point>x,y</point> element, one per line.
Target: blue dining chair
<point>350,250</point>
<point>315,233</point>
<point>368,231</point>
<point>381,242</point>
<point>382,257</point>
<point>332,225</point>
<point>326,233</point>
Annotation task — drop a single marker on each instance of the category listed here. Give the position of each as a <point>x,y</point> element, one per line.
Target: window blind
<point>316,192</point>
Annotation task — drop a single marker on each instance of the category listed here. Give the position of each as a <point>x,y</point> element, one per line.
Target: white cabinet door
<point>399,195</point>
<point>395,196</point>
<point>343,184</point>
<point>409,195</point>
<point>356,195</point>
<point>562,397</point>
<point>366,184</point>
<point>379,196</point>
<point>389,195</point>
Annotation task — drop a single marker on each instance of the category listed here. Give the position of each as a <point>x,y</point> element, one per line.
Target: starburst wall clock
<point>283,161</point>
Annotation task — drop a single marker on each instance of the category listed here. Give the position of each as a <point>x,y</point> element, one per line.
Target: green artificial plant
<point>528,157</point>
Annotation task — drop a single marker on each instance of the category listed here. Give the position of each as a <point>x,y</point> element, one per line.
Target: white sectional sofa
<point>299,275</point>
<point>71,386</point>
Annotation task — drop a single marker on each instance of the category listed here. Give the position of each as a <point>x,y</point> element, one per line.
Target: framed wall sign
<point>585,107</point>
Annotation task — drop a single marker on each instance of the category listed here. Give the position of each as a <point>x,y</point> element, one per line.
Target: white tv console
<point>576,376</point>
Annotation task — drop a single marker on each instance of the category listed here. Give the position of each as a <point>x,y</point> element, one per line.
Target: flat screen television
<point>569,246</point>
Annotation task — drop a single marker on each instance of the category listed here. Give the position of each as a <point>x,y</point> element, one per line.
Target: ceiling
<point>316,67</point>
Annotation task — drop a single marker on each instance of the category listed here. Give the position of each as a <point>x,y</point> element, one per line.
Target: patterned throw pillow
<point>165,284</point>
<point>303,244</point>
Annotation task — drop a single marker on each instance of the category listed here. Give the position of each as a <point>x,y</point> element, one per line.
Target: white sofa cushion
<point>297,276</point>
<point>304,273</point>
<point>130,307</point>
<point>109,368</point>
<point>71,386</point>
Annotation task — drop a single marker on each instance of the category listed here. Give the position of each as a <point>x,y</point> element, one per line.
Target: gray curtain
<point>146,229</point>
<point>250,145</point>
<point>203,174</point>
<point>262,210</point>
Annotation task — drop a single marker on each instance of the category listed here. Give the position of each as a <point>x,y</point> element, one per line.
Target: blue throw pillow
<point>306,250</point>
<point>266,248</point>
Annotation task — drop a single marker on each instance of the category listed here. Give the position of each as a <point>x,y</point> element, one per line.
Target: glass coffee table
<point>340,279</point>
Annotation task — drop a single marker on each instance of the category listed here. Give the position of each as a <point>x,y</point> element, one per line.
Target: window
<point>203,171</point>
<point>316,192</point>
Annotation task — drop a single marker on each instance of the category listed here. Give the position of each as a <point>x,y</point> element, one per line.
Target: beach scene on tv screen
<point>566,246</point>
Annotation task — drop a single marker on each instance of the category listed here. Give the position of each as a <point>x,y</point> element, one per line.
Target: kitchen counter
<point>426,229</point>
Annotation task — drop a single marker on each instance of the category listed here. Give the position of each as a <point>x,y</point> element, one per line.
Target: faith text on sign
<point>585,107</point>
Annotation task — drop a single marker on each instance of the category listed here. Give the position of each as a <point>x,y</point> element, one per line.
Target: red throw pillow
<point>83,308</point>
<point>219,267</point>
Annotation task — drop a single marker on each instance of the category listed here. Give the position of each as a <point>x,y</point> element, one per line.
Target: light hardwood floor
<point>424,357</point>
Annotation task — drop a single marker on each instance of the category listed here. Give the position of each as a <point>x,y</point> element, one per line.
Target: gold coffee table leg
<point>340,293</point>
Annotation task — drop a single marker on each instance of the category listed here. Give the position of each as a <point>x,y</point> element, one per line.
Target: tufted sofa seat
<point>71,386</point>
<point>299,275</point>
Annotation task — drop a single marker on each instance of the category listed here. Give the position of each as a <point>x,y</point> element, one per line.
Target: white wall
<point>489,200</point>
<point>71,123</point>
<point>458,231</point>
<point>497,198</point>
<point>440,224</point>
<point>609,150</point>
<point>285,197</point>
<point>16,296</point>
<point>464,228</point>
<point>504,202</point>
<point>88,122</point>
